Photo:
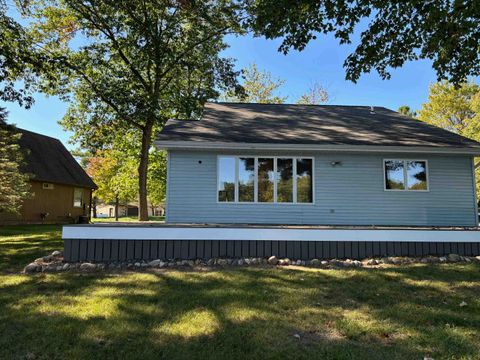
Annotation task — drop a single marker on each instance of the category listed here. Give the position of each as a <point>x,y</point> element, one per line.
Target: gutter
<point>187,145</point>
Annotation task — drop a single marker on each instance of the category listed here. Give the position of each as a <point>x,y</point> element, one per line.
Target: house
<point>60,189</point>
<point>306,181</point>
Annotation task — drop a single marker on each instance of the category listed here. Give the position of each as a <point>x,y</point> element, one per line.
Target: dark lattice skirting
<point>123,250</point>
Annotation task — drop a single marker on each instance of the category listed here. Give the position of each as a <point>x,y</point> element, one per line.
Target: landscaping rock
<point>222,262</point>
<point>442,259</point>
<point>372,262</point>
<point>272,260</point>
<point>31,268</point>
<point>48,258</point>
<point>356,263</point>
<point>240,262</point>
<point>66,266</point>
<point>57,253</point>
<point>453,257</point>
<point>211,262</point>
<point>314,262</point>
<point>87,267</point>
<point>154,263</point>
<point>324,262</point>
<point>39,260</point>
<point>463,303</point>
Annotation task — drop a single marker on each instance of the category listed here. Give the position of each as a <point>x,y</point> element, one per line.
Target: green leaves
<point>14,186</point>
<point>446,32</point>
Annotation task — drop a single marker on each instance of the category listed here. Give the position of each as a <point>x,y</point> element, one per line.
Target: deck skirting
<point>126,250</point>
<point>125,243</point>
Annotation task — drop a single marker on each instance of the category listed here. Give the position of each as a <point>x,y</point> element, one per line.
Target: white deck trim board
<point>266,234</point>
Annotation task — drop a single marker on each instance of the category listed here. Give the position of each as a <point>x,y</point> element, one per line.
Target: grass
<point>395,313</point>
<point>129,219</point>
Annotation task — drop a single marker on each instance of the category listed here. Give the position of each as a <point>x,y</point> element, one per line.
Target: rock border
<point>55,263</point>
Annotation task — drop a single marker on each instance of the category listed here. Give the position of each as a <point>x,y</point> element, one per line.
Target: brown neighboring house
<point>61,190</point>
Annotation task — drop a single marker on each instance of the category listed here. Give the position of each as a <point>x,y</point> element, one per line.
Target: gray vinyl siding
<point>350,194</point>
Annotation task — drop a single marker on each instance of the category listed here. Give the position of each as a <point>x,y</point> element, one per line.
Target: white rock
<point>463,303</point>
<point>454,257</point>
<point>57,253</point>
<point>272,260</point>
<point>31,268</point>
<point>154,263</point>
<point>66,266</point>
<point>240,262</point>
<point>296,336</point>
<point>87,267</point>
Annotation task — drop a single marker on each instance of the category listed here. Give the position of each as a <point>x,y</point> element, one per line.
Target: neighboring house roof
<point>46,159</point>
<point>309,124</point>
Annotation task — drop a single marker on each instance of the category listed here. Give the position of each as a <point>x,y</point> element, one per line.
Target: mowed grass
<point>236,313</point>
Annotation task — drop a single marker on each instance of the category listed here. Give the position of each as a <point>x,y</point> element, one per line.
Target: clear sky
<point>321,61</point>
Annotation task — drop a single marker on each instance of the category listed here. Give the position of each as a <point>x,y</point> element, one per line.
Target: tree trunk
<point>142,172</point>
<point>116,208</point>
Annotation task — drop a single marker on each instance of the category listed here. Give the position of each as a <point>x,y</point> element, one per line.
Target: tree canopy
<point>452,108</point>
<point>317,94</point>
<point>126,65</point>
<point>392,32</point>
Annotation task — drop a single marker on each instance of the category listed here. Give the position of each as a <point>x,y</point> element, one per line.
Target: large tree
<point>393,32</point>
<point>132,64</point>
<point>405,110</point>
<point>17,62</point>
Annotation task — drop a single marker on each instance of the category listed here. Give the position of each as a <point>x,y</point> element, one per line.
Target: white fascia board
<point>197,145</point>
<point>265,234</point>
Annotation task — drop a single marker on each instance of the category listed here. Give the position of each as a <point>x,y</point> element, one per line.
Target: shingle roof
<point>46,159</point>
<point>309,124</point>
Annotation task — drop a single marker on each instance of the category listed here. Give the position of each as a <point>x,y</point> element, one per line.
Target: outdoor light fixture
<point>336,163</point>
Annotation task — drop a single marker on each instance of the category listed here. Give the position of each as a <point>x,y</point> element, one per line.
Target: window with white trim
<point>265,179</point>
<point>406,175</point>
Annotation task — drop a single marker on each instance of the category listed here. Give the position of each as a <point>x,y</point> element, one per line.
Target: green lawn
<point>237,313</point>
<point>129,219</point>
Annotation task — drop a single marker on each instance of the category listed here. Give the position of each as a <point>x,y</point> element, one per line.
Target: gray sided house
<point>300,181</point>
<point>317,165</point>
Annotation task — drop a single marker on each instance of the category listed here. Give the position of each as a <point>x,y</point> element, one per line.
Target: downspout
<point>474,167</point>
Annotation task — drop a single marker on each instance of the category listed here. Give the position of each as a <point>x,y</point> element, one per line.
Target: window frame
<point>405,175</point>
<point>255,186</point>
<point>82,202</point>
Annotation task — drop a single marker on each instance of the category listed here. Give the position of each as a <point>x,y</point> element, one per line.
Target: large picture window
<point>406,175</point>
<point>264,179</point>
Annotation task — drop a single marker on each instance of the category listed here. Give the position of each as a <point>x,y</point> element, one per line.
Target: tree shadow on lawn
<point>244,313</point>
<point>20,245</point>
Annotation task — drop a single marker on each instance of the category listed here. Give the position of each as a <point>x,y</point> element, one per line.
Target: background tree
<point>14,187</point>
<point>132,65</point>
<point>456,110</point>
<point>449,107</point>
<point>316,95</point>
<point>115,176</point>
<point>259,87</point>
<point>443,31</point>
<point>405,110</point>
<point>157,179</point>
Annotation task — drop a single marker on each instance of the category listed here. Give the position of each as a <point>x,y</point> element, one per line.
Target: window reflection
<point>304,181</point>
<point>394,176</point>
<point>285,180</point>
<point>265,180</point>
<point>246,179</point>
<point>226,179</point>
<point>417,175</point>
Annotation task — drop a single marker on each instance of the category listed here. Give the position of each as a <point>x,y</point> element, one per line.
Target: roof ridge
<point>292,104</point>
<point>37,134</point>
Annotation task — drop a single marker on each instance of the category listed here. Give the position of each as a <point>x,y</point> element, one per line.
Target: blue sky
<point>321,61</point>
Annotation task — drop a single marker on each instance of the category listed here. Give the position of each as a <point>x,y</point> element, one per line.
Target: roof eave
<point>202,145</point>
